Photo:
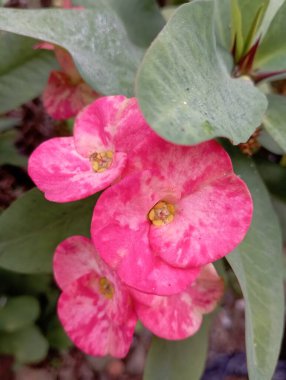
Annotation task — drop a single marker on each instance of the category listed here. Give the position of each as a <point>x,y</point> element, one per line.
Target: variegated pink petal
<point>73,258</point>
<point>111,122</point>
<point>208,224</point>
<point>97,324</point>
<point>64,176</point>
<point>186,168</point>
<point>120,233</point>
<point>64,98</point>
<point>179,316</point>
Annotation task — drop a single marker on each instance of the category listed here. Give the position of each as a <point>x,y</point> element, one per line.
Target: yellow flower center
<point>162,213</point>
<point>106,288</point>
<point>101,161</point>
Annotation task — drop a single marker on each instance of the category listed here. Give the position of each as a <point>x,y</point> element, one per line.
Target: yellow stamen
<point>101,161</point>
<point>106,288</point>
<point>162,213</point>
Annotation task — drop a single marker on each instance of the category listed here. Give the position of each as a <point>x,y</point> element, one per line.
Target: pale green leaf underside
<point>142,18</point>
<point>97,40</point>
<point>275,119</point>
<point>257,263</point>
<point>181,360</point>
<point>32,227</point>
<point>184,89</point>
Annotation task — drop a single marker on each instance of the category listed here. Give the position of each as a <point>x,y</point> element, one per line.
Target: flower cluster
<point>168,212</point>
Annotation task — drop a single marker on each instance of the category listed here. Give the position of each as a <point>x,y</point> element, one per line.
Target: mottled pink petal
<point>208,224</point>
<point>113,122</point>
<point>98,325</point>
<point>179,316</point>
<point>64,98</point>
<point>64,176</point>
<point>186,168</point>
<point>120,233</point>
<point>73,258</point>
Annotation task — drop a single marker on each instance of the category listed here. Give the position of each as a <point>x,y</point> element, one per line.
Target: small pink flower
<point>180,316</point>
<point>66,93</point>
<point>105,134</point>
<point>188,210</point>
<point>95,308</point>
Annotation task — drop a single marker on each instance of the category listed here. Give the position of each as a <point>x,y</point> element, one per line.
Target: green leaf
<point>27,345</point>
<point>142,18</point>
<point>8,122</point>
<point>18,312</point>
<point>175,360</point>
<point>274,176</point>
<point>223,24</point>
<point>280,208</point>
<point>257,263</point>
<point>272,9</point>
<point>185,90</point>
<point>24,71</point>
<point>236,29</point>
<point>8,151</point>
<point>271,55</point>
<point>32,227</point>
<point>97,40</point>
<point>275,119</point>
<point>268,142</point>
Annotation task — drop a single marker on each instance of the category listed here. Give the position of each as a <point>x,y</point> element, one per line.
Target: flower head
<point>95,308</point>
<point>156,226</point>
<point>105,135</point>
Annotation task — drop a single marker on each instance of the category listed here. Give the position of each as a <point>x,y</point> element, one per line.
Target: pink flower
<point>188,210</point>
<point>105,134</point>
<point>180,316</point>
<point>95,308</point>
<point>66,93</point>
<point>98,311</point>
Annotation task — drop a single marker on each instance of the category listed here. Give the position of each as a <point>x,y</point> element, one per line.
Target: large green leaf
<point>181,360</point>
<point>97,40</point>
<point>31,228</point>
<point>271,55</point>
<point>27,345</point>
<point>257,263</point>
<point>24,71</point>
<point>275,119</point>
<point>185,90</point>
<point>142,18</point>
<point>18,312</point>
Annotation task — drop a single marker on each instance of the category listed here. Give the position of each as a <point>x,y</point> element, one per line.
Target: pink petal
<point>96,324</point>
<point>179,316</point>
<point>208,224</point>
<point>186,168</point>
<point>64,98</point>
<point>111,122</point>
<point>120,233</point>
<point>73,258</point>
<point>64,176</point>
